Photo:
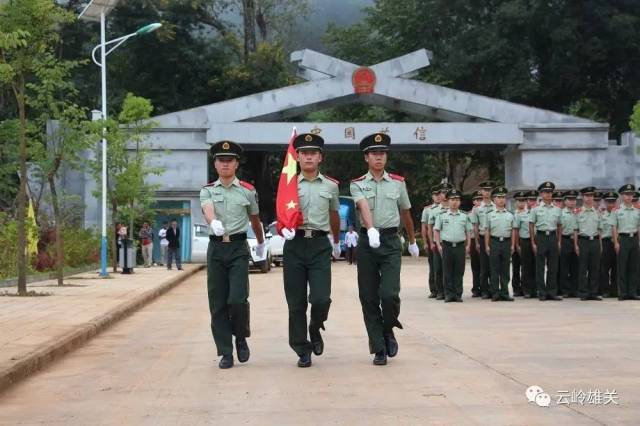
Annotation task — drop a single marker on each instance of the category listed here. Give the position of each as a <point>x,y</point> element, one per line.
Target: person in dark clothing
<point>173,236</point>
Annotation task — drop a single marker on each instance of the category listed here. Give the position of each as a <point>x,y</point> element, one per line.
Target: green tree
<point>634,122</point>
<point>541,53</point>
<point>127,166</point>
<point>61,127</point>
<point>28,35</point>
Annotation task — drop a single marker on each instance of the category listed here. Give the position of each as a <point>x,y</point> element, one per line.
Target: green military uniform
<point>527,259</point>
<point>228,256</point>
<point>608,260</point>
<point>379,268</point>
<point>485,268</point>
<point>499,225</point>
<point>424,219</point>
<point>437,256</point>
<point>307,257</point>
<point>626,221</point>
<point>588,229</point>
<point>454,227</point>
<point>546,218</point>
<point>474,253</point>
<point>568,265</point>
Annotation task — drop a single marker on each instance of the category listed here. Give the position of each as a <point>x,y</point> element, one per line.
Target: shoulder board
<point>396,177</point>
<point>336,181</point>
<point>359,178</point>
<point>247,185</point>
<point>209,184</point>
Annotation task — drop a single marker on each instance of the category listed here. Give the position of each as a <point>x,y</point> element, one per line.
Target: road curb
<point>59,346</point>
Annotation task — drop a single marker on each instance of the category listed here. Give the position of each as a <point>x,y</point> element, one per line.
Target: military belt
<point>501,238</point>
<point>627,234</point>
<point>383,231</point>
<point>228,238</point>
<point>547,233</point>
<point>310,233</point>
<point>588,237</point>
<point>451,244</point>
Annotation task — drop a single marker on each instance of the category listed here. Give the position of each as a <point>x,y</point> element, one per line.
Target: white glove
<point>260,250</point>
<point>288,234</point>
<point>217,228</point>
<point>374,237</point>
<point>336,250</point>
<point>413,250</point>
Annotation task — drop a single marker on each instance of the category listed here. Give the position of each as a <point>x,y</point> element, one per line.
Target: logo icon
<point>536,394</point>
<point>225,145</point>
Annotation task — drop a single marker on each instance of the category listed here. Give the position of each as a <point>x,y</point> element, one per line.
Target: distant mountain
<point>325,12</point>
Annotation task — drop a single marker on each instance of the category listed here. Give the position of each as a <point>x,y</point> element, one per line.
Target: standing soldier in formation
<point>453,238</point>
<point>626,225</point>
<point>608,260</point>
<point>474,253</point>
<point>523,245</point>
<point>437,255</point>
<point>426,238</point>
<point>486,206</point>
<point>500,244</point>
<point>568,266</point>
<point>558,200</point>
<point>545,230</point>
<point>588,245</point>
<point>228,205</point>
<point>307,251</point>
<point>636,200</point>
<point>516,260</point>
<point>382,200</point>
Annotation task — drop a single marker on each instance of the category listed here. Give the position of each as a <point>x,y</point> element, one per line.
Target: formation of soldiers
<point>229,205</point>
<point>587,252</point>
<point>553,248</point>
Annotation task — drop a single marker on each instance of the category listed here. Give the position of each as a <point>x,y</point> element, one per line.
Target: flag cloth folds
<point>288,210</point>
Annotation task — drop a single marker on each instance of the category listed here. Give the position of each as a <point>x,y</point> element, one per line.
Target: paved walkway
<point>29,325</point>
<point>459,364</point>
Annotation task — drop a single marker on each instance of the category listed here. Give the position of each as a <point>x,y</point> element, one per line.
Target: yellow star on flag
<point>291,205</point>
<point>290,168</point>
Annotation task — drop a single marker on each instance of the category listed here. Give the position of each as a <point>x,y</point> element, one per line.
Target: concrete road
<point>461,363</point>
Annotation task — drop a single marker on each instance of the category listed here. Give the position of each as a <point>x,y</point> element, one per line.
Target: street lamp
<point>97,10</point>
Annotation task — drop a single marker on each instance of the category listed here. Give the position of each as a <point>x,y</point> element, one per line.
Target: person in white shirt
<point>351,241</point>
<point>164,243</point>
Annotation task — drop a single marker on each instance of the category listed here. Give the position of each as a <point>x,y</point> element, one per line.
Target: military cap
<point>308,141</point>
<point>557,195</point>
<point>521,195</point>
<point>435,189</point>
<point>588,190</point>
<point>628,188</point>
<point>475,195</point>
<point>486,185</point>
<point>547,186</point>
<point>533,194</point>
<point>636,196</point>
<point>499,191</point>
<point>454,193</point>
<point>375,142</point>
<point>572,193</point>
<point>598,195</point>
<point>226,149</point>
<point>610,196</point>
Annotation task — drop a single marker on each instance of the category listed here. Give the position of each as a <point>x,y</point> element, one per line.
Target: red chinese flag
<point>287,201</point>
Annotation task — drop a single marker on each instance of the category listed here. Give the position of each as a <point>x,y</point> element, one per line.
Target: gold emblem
<point>548,184</point>
<point>225,145</point>
<point>378,138</point>
<point>308,138</point>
